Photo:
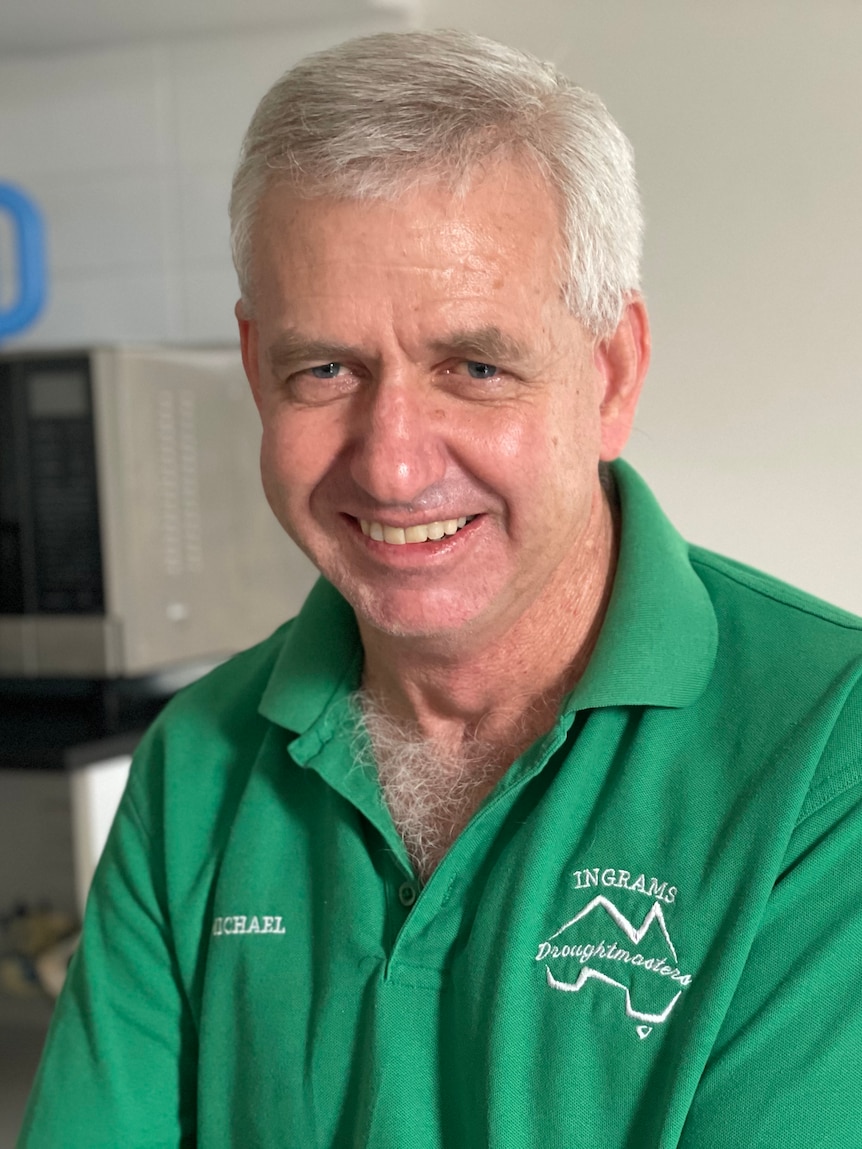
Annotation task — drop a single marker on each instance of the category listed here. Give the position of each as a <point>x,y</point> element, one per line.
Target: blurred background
<point>121,124</point>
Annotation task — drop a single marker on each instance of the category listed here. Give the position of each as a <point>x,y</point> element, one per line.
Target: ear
<point>248,342</point>
<point>622,361</point>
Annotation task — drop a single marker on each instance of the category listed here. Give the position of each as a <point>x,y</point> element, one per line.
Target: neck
<point>503,690</point>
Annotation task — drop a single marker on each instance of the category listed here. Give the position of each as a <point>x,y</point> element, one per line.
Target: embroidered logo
<point>635,959</point>
<point>247,924</point>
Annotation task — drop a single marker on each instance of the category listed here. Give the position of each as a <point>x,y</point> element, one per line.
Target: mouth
<point>417,533</point>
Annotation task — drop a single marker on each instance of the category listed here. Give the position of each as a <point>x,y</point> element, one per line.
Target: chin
<point>410,614</point>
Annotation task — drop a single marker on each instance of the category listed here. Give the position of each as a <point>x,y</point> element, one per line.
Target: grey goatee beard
<point>431,791</point>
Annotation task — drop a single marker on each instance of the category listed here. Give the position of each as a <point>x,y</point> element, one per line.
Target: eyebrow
<point>484,344</point>
<point>291,347</point>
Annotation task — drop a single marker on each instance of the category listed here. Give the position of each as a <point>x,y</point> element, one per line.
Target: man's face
<point>433,416</point>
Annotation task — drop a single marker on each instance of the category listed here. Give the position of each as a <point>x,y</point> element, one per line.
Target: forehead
<point>498,236</point>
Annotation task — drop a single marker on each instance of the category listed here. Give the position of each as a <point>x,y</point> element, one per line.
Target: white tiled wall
<point>129,152</point>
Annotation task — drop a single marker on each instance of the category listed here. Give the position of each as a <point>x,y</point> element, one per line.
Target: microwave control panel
<point>50,554</point>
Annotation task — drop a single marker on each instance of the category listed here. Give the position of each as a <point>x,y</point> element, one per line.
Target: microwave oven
<point>134,533</point>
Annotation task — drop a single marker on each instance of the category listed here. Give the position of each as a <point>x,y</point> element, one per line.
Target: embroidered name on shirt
<point>247,924</point>
<point>622,879</point>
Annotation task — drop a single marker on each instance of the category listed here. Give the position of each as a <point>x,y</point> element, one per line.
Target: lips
<point>417,533</point>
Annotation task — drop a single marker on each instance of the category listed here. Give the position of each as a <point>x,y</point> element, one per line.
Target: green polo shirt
<point>649,935</point>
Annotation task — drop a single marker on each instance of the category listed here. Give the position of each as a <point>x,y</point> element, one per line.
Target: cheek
<point>499,438</point>
<point>555,460</point>
<point>537,447</point>
<point>276,463</point>
<point>514,441</point>
<point>295,452</point>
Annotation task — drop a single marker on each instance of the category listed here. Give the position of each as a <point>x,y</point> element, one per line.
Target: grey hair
<point>378,116</point>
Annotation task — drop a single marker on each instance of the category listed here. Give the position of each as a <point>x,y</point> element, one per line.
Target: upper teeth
<point>420,533</point>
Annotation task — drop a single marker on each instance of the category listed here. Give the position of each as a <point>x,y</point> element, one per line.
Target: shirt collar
<point>659,640</point>
<point>320,661</point>
<point>657,645</point>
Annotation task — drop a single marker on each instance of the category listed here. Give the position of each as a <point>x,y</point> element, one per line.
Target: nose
<point>397,453</point>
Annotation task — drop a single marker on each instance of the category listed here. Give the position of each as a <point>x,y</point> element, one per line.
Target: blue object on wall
<point>30,251</point>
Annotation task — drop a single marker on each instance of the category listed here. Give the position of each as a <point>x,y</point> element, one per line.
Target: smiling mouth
<point>419,533</point>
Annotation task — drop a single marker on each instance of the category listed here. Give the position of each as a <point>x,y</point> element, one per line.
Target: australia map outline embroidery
<point>594,953</point>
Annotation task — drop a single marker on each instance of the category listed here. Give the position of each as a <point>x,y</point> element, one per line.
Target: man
<point>537,827</point>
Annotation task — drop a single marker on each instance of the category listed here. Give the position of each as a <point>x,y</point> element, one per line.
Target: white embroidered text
<point>247,924</point>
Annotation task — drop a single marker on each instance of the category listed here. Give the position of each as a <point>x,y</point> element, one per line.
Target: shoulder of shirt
<point>204,741</point>
<point>798,642</point>
<point>766,590</point>
<point>223,703</point>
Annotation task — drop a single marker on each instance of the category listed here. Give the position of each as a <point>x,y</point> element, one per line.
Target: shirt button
<point>406,894</point>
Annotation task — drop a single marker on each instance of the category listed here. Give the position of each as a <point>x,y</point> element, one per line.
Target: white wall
<point>746,121</point>
<point>129,152</point>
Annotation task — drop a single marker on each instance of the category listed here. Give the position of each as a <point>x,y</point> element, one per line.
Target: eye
<point>326,371</point>
<point>478,381</point>
<point>323,382</point>
<point>480,370</point>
